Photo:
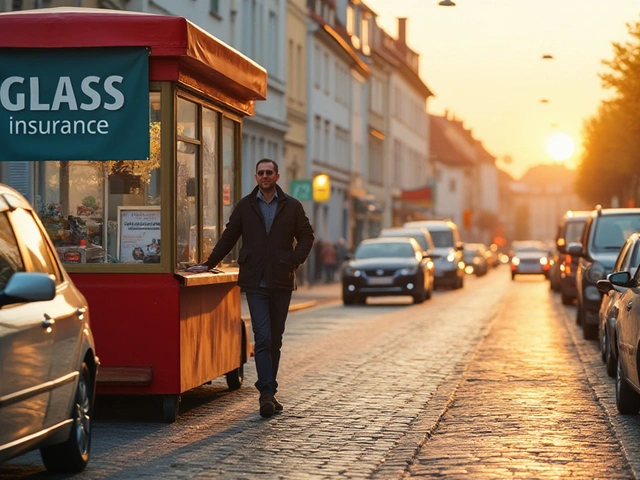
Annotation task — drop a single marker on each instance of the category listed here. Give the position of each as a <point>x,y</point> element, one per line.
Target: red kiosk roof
<point>178,47</point>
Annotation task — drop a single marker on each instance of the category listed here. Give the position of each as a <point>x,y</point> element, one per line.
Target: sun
<point>560,146</point>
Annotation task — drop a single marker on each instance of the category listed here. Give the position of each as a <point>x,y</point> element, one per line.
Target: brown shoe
<point>267,406</point>
<point>278,405</point>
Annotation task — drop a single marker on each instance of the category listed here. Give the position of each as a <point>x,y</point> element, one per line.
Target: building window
<point>318,134</point>
<point>350,20</point>
<point>317,67</point>
<point>272,56</point>
<point>214,7</point>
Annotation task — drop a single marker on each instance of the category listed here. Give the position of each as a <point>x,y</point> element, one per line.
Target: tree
<point>612,136</point>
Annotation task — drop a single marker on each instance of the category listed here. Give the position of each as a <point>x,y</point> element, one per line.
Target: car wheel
<point>602,335</point>
<point>610,359</point>
<point>235,377</point>
<point>590,332</point>
<point>513,276</point>
<point>348,299</point>
<point>73,455</point>
<point>579,314</point>
<point>627,399</point>
<point>429,292</point>
<point>361,300</point>
<point>566,299</point>
<point>420,296</point>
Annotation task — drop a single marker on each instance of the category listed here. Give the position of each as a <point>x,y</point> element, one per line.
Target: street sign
<point>321,188</point>
<point>302,190</point>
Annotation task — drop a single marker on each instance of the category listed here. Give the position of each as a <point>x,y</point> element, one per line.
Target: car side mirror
<point>619,279</point>
<point>459,246</point>
<point>574,249</point>
<point>604,286</point>
<point>24,287</point>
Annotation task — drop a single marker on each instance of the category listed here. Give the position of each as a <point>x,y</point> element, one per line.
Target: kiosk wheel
<point>170,407</point>
<point>235,378</point>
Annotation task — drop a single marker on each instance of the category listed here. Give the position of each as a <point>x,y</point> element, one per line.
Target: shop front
<point>131,125</point>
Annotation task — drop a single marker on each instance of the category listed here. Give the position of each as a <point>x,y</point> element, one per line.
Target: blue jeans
<point>268,308</point>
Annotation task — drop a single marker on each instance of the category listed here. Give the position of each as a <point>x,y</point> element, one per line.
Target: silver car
<point>47,354</point>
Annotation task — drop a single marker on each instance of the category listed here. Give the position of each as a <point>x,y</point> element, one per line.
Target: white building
<point>330,61</point>
<point>258,29</point>
<point>407,144</point>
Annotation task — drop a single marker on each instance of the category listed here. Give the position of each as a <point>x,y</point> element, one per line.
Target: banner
<point>74,104</point>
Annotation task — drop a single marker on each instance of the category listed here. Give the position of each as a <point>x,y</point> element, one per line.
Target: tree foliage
<point>609,166</point>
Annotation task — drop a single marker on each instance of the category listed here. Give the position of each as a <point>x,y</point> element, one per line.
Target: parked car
<point>420,235</point>
<point>447,255</point>
<point>627,331</point>
<point>529,257</point>
<point>47,353</point>
<point>475,260</point>
<point>627,261</point>
<point>605,231</point>
<point>387,266</point>
<point>562,272</point>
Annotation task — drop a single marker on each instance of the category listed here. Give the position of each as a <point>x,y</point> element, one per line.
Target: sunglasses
<point>268,173</point>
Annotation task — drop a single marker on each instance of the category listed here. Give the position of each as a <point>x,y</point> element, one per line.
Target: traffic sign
<point>301,189</point>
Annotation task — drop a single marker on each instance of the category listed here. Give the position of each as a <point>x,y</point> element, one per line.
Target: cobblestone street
<point>526,408</point>
<point>483,382</point>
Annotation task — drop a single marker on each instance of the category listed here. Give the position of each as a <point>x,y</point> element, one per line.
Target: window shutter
<point>19,177</point>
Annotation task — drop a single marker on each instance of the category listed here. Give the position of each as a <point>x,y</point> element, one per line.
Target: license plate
<point>381,281</point>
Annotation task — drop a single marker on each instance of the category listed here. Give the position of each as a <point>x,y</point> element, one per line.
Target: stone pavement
<point>525,407</point>
<point>306,296</point>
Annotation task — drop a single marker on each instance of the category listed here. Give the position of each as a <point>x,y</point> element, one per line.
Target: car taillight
<point>567,259</point>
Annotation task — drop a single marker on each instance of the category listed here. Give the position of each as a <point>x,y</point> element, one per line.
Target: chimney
<point>402,31</point>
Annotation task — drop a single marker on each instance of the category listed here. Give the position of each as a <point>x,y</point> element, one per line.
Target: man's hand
<point>198,268</point>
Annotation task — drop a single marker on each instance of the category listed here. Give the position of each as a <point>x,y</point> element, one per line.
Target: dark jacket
<point>270,256</point>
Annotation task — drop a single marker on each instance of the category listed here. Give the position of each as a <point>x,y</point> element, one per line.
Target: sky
<point>482,59</point>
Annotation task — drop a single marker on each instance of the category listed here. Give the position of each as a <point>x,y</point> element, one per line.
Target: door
<point>65,312</point>
<point>26,349</point>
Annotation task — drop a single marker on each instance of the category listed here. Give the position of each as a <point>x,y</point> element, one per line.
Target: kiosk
<point>130,127</point>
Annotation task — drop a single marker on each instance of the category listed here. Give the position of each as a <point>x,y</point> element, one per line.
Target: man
<point>269,221</point>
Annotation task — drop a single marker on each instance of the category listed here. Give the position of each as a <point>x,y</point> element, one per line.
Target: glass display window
<point>80,202</point>
<point>207,180</point>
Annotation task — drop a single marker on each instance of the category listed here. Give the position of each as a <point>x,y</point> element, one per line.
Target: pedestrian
<point>268,221</point>
<point>329,261</point>
<point>341,251</point>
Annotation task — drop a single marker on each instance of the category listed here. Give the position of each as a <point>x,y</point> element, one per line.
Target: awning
<point>420,197</point>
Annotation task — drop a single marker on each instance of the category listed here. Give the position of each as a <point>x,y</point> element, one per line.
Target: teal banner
<point>74,104</point>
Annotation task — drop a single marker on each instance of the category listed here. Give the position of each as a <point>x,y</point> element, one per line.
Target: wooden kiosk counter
<point>128,128</point>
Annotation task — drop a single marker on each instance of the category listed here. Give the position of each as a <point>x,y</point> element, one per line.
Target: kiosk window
<point>229,177</point>
<point>210,204</point>
<point>81,204</point>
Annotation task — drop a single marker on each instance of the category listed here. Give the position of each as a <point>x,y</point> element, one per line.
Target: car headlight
<point>408,271</point>
<point>515,261</point>
<point>544,261</point>
<point>596,272</point>
<point>352,271</point>
<point>451,257</point>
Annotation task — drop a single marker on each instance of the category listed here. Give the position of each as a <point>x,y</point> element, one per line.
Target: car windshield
<point>417,236</point>
<point>613,230</point>
<point>573,231</point>
<point>468,254</point>
<point>442,238</point>
<point>521,250</point>
<point>384,250</point>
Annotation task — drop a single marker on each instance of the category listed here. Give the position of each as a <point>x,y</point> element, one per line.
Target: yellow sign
<point>321,188</point>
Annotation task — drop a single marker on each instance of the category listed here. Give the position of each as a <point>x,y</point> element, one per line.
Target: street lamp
<point>447,3</point>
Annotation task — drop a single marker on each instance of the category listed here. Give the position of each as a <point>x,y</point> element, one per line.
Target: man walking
<point>269,222</point>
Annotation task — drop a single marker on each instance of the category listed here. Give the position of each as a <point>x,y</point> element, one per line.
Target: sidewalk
<point>306,296</point>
